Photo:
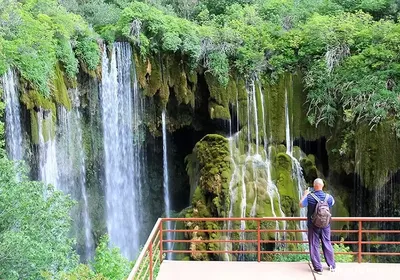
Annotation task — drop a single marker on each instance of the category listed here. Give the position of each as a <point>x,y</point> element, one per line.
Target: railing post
<point>258,241</point>
<point>161,241</point>
<point>359,241</point>
<point>151,260</point>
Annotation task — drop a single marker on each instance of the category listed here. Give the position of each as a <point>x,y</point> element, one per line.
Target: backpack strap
<point>315,197</point>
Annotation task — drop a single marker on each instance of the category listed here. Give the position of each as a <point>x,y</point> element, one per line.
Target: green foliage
<point>34,226</point>
<point>34,35</point>
<point>96,12</point>
<point>88,51</point>
<point>341,248</point>
<point>337,248</point>
<point>66,55</point>
<point>109,262</point>
<point>161,32</point>
<point>82,272</point>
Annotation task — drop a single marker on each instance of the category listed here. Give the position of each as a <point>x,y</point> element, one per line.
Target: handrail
<point>154,244</point>
<point>147,246</point>
<point>335,219</point>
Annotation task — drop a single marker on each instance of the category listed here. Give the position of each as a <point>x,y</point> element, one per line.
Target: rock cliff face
<point>243,150</point>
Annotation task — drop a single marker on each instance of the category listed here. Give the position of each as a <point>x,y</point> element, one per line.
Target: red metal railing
<point>151,257</point>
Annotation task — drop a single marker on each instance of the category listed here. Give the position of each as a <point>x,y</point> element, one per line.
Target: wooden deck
<point>183,270</point>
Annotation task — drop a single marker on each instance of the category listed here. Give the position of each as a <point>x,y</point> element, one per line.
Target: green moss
<point>310,171</point>
<point>301,125</point>
<point>47,125</point>
<point>34,127</point>
<point>210,164</point>
<point>33,100</point>
<point>178,80</point>
<point>60,92</point>
<point>218,112</point>
<point>155,79</point>
<point>275,104</point>
<point>340,210</point>
<point>282,172</point>
<point>143,68</point>
<point>164,90</point>
<point>221,96</point>
<point>376,153</point>
<point>372,154</point>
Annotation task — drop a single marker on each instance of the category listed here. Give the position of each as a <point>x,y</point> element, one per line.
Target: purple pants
<point>314,235</point>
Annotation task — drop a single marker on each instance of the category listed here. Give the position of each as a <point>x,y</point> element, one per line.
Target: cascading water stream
<point>121,189</point>
<point>296,167</point>
<point>14,143</point>
<point>166,180</point>
<point>48,169</point>
<point>232,190</point>
<point>257,156</point>
<point>72,173</point>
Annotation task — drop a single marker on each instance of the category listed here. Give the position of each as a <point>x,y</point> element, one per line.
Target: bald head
<point>318,184</point>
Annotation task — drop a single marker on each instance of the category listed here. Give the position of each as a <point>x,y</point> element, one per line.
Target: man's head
<point>318,184</point>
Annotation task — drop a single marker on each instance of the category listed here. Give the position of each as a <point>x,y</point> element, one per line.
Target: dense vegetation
<point>34,231</point>
<point>347,51</point>
<point>35,34</point>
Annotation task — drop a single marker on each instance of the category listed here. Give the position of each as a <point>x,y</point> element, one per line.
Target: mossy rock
<point>221,96</point>
<point>143,69</point>
<point>282,173</point>
<point>372,154</point>
<point>310,171</point>
<point>155,76</point>
<point>60,92</point>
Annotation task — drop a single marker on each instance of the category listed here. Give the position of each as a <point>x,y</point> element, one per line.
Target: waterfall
<point>71,177</point>
<point>165,181</point>
<point>272,190</point>
<point>12,111</point>
<point>297,171</point>
<point>121,189</point>
<point>289,143</point>
<point>47,148</point>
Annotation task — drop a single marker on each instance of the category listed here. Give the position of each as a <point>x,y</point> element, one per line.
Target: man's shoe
<point>332,269</point>
<point>318,271</point>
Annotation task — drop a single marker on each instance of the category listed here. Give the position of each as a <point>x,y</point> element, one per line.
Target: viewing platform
<point>216,270</point>
<point>263,250</point>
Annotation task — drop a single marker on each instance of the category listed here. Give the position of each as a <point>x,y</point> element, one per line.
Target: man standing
<point>318,222</point>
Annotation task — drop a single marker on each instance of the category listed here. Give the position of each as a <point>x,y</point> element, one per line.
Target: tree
<point>108,264</point>
<point>34,224</point>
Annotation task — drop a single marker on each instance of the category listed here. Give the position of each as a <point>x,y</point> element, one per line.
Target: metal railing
<point>151,257</point>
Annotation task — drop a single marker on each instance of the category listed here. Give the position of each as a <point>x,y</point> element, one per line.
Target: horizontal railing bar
<point>340,219</point>
<point>380,231</point>
<point>305,242</point>
<point>252,230</point>
<point>304,230</point>
<point>209,230</point>
<point>381,254</point>
<point>285,241</point>
<point>209,252</point>
<point>210,241</point>
<point>344,231</point>
<point>304,252</point>
<point>261,241</point>
<point>382,242</point>
<point>283,230</point>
